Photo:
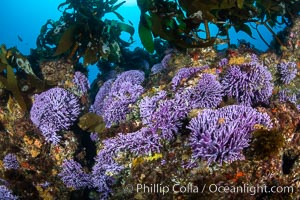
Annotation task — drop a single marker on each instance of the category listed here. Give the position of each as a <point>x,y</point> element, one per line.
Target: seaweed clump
<point>17,77</point>
<point>82,32</point>
<point>179,22</point>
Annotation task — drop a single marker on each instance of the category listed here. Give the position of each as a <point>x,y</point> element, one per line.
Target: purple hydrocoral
<point>94,137</point>
<point>148,106</point>
<point>287,95</point>
<point>45,184</point>
<point>98,106</point>
<point>10,161</point>
<point>54,110</point>
<point>113,99</point>
<point>168,116</point>
<point>221,135</point>
<point>165,60</point>
<point>223,62</point>
<point>135,77</point>
<point>207,93</point>
<point>141,142</point>
<point>81,81</point>
<point>6,194</point>
<point>185,73</point>
<point>73,176</point>
<point>248,84</point>
<point>118,101</point>
<point>156,68</point>
<point>287,71</point>
<point>254,58</point>
<point>163,114</point>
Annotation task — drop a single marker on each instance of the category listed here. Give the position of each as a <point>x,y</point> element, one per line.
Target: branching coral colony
<point>182,117</point>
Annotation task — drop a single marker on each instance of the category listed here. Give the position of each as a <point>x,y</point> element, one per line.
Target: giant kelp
<point>179,22</point>
<point>82,32</point>
<point>10,81</point>
<point>12,65</point>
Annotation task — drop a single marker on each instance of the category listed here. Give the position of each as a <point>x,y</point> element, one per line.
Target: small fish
<point>20,38</point>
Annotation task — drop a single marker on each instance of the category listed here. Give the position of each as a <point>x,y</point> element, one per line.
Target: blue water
<point>24,18</point>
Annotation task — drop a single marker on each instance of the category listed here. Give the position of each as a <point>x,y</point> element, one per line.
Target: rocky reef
<point>192,123</point>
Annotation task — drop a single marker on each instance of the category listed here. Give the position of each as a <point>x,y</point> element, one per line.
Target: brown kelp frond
<point>11,60</point>
<point>10,81</point>
<point>84,33</point>
<point>91,122</point>
<point>183,20</point>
